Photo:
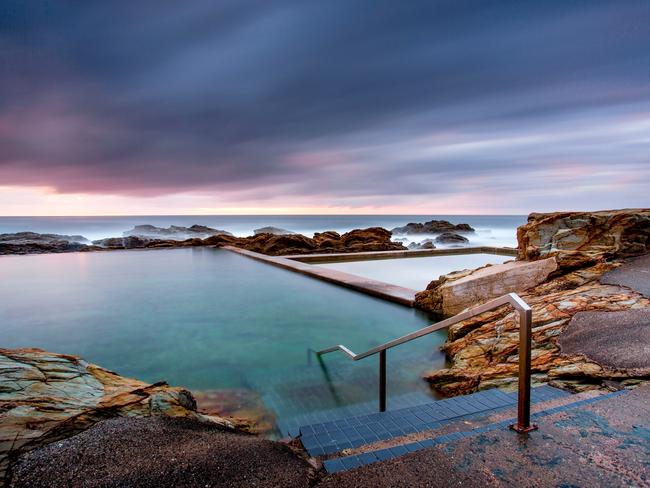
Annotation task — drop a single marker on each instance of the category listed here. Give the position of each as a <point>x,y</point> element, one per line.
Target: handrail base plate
<point>523,430</point>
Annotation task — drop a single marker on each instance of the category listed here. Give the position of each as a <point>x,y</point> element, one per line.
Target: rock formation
<point>451,238</point>
<point>45,397</point>
<point>175,232</point>
<point>454,292</point>
<point>432,227</point>
<point>34,243</point>
<point>273,230</point>
<point>578,239</point>
<point>425,244</point>
<point>569,258</point>
<point>358,240</point>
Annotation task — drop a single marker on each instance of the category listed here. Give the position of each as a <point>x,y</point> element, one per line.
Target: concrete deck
<point>417,253</point>
<point>393,293</point>
<point>595,443</point>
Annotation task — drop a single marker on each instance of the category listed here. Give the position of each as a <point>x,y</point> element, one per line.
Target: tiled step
<point>350,462</point>
<point>291,426</point>
<point>334,436</point>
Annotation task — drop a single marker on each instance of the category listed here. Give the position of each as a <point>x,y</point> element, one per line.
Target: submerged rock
<point>175,232</point>
<point>35,243</point>
<point>451,238</point>
<point>46,396</point>
<point>273,230</point>
<point>432,227</point>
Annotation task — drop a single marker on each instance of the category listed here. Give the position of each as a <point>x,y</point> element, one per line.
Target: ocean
<point>491,230</point>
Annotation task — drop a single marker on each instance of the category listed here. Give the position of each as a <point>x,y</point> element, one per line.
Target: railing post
<point>382,380</point>
<point>523,424</point>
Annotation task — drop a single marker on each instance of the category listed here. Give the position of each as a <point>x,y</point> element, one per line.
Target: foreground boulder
<point>35,243</point>
<point>578,239</point>
<point>46,396</point>
<point>432,227</point>
<point>452,293</point>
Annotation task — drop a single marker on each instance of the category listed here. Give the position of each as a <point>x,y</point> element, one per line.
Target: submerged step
<point>350,462</point>
<point>331,437</point>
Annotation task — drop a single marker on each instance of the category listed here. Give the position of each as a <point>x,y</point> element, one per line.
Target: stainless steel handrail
<point>525,325</point>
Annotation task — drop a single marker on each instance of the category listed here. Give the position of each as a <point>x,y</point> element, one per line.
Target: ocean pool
<point>418,272</point>
<point>208,319</point>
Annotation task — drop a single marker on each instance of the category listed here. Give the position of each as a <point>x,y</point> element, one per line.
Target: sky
<point>337,106</point>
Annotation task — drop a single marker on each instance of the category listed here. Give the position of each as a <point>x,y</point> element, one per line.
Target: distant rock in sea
<point>35,243</point>
<point>451,238</point>
<point>277,231</point>
<point>432,227</point>
<point>425,244</point>
<point>175,232</point>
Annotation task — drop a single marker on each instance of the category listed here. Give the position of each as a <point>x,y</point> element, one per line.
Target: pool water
<point>208,319</point>
<point>415,273</point>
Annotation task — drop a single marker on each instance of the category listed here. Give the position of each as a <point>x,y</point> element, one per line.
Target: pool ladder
<point>525,313</point>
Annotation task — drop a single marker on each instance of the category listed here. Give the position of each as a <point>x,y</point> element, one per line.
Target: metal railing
<point>525,325</point>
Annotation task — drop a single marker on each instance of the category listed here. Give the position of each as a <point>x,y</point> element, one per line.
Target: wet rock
<point>432,227</point>
<point>451,238</point>
<point>425,244</point>
<point>579,239</point>
<point>273,230</point>
<point>46,396</point>
<point>174,232</point>
<point>35,243</point>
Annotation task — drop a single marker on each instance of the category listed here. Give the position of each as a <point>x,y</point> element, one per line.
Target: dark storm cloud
<point>341,98</point>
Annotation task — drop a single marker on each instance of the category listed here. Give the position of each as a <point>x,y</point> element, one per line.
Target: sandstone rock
<point>45,397</point>
<point>273,230</point>
<point>451,238</point>
<point>174,232</point>
<point>579,239</point>
<point>484,350</point>
<point>35,243</point>
<point>454,292</point>
<point>432,227</point>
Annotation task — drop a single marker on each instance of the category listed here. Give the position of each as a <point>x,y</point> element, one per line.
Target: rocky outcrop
<point>579,239</point>
<point>34,243</point>
<point>45,397</point>
<point>358,240</point>
<point>175,232</point>
<point>432,227</point>
<point>452,293</point>
<point>451,238</point>
<point>484,350</point>
<point>589,274</point>
<point>273,230</point>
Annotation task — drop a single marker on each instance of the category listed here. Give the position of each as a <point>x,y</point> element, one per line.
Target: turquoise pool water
<point>209,319</point>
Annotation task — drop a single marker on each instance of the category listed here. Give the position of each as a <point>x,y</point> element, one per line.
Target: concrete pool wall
<point>394,293</point>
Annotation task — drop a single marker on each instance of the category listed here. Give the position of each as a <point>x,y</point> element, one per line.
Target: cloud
<point>348,101</point>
